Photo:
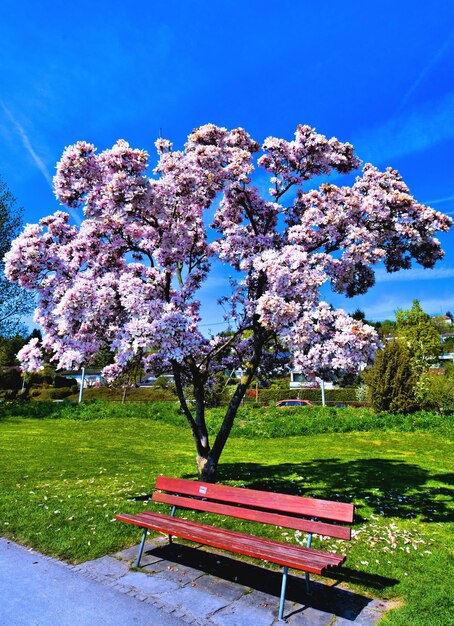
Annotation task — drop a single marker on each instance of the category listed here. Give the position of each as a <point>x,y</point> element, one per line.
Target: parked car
<point>293,402</point>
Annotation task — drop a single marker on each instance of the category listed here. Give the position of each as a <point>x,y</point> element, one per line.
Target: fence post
<point>322,385</point>
<point>82,385</point>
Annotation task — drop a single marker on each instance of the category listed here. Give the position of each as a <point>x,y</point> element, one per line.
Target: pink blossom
<point>128,277</point>
<point>30,356</point>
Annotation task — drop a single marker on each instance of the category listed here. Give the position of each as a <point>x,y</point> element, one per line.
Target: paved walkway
<point>177,585</point>
<point>39,591</point>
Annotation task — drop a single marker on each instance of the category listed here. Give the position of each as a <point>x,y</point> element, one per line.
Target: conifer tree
<point>392,380</point>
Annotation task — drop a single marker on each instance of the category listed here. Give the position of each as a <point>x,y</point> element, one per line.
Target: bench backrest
<point>259,506</point>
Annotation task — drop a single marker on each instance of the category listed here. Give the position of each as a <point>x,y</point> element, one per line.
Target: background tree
<point>386,329</point>
<point>359,315</point>
<point>391,380</point>
<point>415,329</point>
<point>9,347</point>
<point>128,277</point>
<point>15,303</point>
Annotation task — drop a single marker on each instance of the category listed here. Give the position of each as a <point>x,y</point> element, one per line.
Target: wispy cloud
<point>425,72</point>
<point>27,144</point>
<point>427,126</point>
<point>382,276</point>
<point>439,200</point>
<point>38,161</point>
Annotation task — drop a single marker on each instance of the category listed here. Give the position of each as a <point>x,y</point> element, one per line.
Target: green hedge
<point>54,394</point>
<point>141,394</point>
<point>332,396</point>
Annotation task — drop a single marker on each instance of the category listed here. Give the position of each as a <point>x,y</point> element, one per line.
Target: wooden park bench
<point>309,515</point>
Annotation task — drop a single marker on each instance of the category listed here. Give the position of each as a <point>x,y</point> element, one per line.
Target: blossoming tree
<point>129,276</point>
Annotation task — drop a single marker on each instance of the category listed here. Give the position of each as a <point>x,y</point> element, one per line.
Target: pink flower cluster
<point>30,356</point>
<point>310,154</point>
<point>329,343</point>
<point>128,277</point>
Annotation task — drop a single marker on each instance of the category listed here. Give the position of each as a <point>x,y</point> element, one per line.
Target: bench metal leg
<point>284,585</point>
<point>142,544</point>
<point>172,514</point>
<point>308,578</point>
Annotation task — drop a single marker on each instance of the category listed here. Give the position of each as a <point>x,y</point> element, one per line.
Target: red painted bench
<point>309,515</point>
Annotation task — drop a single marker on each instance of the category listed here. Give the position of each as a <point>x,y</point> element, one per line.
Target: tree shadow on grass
<point>391,488</point>
<point>328,598</point>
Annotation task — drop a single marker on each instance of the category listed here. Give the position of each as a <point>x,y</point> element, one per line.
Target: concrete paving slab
<point>223,588</point>
<point>106,566</point>
<point>180,574</point>
<point>149,584</point>
<point>243,613</point>
<point>200,603</point>
<point>367,618</point>
<point>307,616</point>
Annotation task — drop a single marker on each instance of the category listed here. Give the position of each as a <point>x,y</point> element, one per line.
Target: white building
<point>298,381</point>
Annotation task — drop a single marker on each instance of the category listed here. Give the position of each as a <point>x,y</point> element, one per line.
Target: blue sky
<point>380,75</point>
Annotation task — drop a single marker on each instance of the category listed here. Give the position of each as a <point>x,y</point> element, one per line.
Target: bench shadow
<point>324,597</point>
<point>390,487</point>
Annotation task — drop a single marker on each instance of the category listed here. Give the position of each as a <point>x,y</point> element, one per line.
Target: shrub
<point>436,392</point>
<point>55,394</point>
<point>362,392</point>
<point>391,380</point>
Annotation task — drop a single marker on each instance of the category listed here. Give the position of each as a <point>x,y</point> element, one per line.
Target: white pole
<point>82,385</point>
<point>322,385</point>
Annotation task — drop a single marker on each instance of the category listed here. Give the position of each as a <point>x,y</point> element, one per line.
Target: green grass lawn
<point>62,481</point>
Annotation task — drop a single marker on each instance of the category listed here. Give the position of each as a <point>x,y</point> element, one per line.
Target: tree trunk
<point>206,468</point>
<point>207,465</point>
<point>207,458</point>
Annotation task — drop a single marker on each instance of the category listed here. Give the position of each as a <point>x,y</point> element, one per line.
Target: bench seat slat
<point>306,559</point>
<point>320,528</point>
<point>311,507</point>
<point>319,555</point>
